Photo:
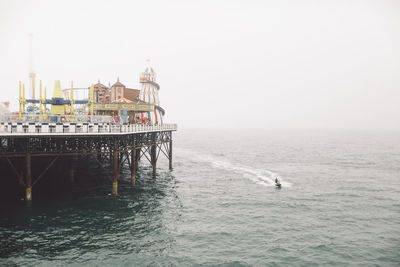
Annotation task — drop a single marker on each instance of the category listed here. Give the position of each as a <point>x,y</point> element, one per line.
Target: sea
<point>339,205</point>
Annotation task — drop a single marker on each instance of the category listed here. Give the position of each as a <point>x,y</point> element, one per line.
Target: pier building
<point>56,135</point>
<point>104,94</point>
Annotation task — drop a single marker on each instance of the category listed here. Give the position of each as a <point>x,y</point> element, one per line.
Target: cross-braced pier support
<point>41,151</point>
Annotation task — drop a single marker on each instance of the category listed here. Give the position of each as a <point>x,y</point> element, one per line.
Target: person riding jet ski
<point>277,183</point>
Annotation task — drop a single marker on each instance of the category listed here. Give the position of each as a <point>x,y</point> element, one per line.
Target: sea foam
<point>261,177</point>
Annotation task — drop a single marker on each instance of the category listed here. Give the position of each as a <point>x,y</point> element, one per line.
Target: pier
<point>28,139</point>
<point>113,126</point>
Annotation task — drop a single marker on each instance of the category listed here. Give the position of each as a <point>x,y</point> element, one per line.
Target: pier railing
<point>32,124</point>
<point>36,118</point>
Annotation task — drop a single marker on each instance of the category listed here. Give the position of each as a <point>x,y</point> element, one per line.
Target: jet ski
<point>277,183</point>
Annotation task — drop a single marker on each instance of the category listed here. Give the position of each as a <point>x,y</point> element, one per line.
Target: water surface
<point>339,205</point>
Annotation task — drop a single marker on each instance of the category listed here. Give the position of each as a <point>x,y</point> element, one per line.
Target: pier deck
<point>21,142</point>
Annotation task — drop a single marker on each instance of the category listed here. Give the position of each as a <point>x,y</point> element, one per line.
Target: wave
<point>262,177</point>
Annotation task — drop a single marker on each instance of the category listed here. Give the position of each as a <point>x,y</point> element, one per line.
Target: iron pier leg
<point>28,192</point>
<point>71,170</point>
<point>153,154</point>
<point>99,153</point>
<point>71,175</point>
<point>116,169</point>
<point>21,177</point>
<point>170,151</point>
<point>133,166</point>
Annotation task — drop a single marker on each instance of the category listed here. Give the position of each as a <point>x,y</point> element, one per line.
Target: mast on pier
<point>32,74</point>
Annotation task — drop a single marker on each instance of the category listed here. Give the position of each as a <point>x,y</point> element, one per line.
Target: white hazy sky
<point>262,64</point>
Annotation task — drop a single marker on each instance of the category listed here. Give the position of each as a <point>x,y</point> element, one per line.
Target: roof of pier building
<point>99,86</point>
<point>119,90</point>
<point>118,84</point>
<point>131,94</point>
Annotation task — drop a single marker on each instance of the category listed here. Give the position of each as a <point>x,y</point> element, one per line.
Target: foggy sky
<point>260,64</point>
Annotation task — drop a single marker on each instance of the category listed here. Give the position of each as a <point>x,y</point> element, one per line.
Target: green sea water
<point>339,205</point>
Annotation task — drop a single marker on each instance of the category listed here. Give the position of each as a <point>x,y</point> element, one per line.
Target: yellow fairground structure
<point>57,94</point>
<point>71,110</point>
<point>40,99</point>
<point>59,105</point>
<point>22,100</point>
<point>91,100</point>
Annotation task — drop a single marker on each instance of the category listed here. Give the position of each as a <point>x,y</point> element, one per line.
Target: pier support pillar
<point>133,166</point>
<point>28,191</point>
<point>71,175</point>
<point>99,154</point>
<point>115,188</point>
<point>138,151</point>
<point>170,152</point>
<point>28,194</point>
<point>116,169</point>
<point>153,154</point>
<point>70,168</point>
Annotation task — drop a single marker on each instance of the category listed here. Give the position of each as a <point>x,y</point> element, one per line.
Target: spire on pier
<point>32,74</point>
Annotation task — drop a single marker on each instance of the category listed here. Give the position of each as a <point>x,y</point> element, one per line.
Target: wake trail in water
<point>259,176</point>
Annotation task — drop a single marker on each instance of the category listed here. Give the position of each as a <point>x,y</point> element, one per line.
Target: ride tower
<point>149,94</point>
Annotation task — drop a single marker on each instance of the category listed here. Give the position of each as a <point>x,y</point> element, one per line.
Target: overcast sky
<point>263,64</point>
